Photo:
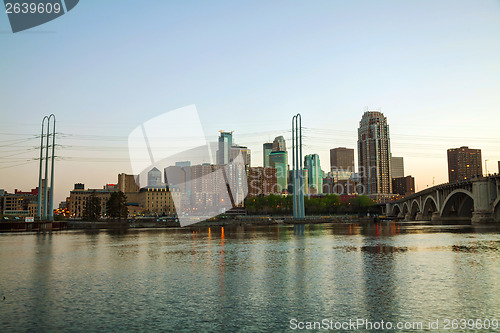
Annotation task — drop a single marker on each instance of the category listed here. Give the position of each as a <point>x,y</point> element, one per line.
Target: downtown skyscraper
<point>342,163</point>
<point>279,143</point>
<point>225,144</point>
<point>374,154</point>
<point>267,149</point>
<point>276,156</point>
<point>315,175</point>
<point>397,167</point>
<point>342,158</point>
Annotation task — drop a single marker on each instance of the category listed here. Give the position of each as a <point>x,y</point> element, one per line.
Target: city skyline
<point>61,196</point>
<point>434,77</point>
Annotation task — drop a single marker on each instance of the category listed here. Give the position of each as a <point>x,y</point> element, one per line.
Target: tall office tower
<point>315,175</point>
<point>374,154</point>
<point>342,163</point>
<point>397,167</point>
<point>342,158</point>
<point>279,160</point>
<point>464,163</point>
<point>154,177</point>
<point>225,144</point>
<point>246,154</point>
<point>267,149</point>
<point>279,144</point>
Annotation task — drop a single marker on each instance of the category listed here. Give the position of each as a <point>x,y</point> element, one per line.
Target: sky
<point>104,68</point>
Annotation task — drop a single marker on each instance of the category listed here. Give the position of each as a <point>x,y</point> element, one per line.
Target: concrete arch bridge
<point>470,201</point>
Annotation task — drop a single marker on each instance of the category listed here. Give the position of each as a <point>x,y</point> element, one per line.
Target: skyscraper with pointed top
<point>279,143</point>
<point>154,177</point>
<point>278,158</point>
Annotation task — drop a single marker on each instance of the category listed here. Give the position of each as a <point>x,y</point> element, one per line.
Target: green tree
<point>92,208</point>
<point>116,205</point>
<point>362,204</point>
<point>332,203</point>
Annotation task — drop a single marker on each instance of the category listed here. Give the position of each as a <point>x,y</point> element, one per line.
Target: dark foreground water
<point>252,279</point>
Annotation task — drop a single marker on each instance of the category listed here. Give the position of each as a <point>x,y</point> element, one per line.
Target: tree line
<point>115,206</point>
<point>272,204</point>
<point>328,204</point>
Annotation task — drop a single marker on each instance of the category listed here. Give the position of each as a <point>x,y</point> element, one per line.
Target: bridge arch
<point>459,203</point>
<point>405,209</point>
<point>415,209</point>
<point>396,210</point>
<point>430,206</point>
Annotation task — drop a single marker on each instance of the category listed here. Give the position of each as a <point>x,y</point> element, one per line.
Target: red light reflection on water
<point>221,264</point>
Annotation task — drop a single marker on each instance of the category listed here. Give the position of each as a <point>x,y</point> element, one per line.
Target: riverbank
<point>171,223</point>
<point>21,226</point>
<point>217,221</point>
<point>272,220</point>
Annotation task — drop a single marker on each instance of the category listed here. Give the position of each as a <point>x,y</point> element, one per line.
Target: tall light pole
<point>297,172</point>
<point>486,166</point>
<point>51,199</point>
<point>45,211</point>
<point>39,206</point>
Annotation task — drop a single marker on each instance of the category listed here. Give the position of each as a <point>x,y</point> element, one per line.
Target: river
<point>251,279</point>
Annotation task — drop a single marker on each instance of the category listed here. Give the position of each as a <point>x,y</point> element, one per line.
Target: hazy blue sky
<point>433,67</point>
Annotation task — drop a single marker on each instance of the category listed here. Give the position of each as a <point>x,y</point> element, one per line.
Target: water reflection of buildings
<point>230,271</point>
<point>381,295</point>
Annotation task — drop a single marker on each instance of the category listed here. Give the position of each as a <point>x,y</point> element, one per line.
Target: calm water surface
<point>247,278</point>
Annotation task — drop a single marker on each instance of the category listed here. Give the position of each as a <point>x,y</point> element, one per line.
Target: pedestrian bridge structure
<point>473,201</point>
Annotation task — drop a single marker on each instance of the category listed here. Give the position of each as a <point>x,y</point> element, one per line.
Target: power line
<point>16,165</point>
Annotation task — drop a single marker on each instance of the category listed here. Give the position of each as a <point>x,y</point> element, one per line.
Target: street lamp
<point>486,166</point>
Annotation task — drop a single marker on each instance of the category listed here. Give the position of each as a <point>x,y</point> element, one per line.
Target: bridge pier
<point>482,217</point>
<point>419,216</point>
<point>435,218</point>
<point>483,194</point>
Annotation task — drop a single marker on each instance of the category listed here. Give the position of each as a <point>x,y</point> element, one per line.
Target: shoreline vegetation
<point>261,210</point>
<point>252,220</point>
<point>163,223</point>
